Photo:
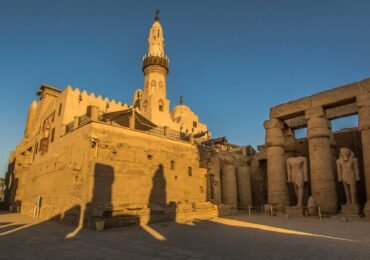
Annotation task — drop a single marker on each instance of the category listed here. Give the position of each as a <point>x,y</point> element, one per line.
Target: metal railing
<point>166,132</point>
<point>157,131</point>
<point>69,127</point>
<point>83,120</point>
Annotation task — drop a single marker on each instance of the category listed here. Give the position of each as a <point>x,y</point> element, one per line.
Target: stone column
<point>363,103</point>
<point>278,193</point>
<point>321,161</point>
<point>244,187</point>
<point>229,187</point>
<point>214,172</point>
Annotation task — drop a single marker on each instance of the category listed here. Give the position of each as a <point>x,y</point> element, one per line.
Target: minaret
<point>154,104</point>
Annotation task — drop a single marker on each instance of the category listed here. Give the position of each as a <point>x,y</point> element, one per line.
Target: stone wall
<point>142,162</point>
<point>237,180</point>
<point>106,171</point>
<point>60,178</point>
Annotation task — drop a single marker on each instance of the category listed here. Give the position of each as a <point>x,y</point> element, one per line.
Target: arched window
<point>153,85</point>
<point>160,87</point>
<point>160,105</point>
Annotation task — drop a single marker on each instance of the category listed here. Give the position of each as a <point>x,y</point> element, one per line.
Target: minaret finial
<point>181,101</point>
<point>156,15</point>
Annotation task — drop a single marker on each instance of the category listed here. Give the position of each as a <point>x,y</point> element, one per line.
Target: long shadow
<point>99,208</point>
<point>100,205</point>
<point>160,210</point>
<point>11,186</point>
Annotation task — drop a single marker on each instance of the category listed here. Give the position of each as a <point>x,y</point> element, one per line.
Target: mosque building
<point>83,156</point>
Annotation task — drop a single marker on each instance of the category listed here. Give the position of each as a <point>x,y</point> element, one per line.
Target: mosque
<point>83,157</point>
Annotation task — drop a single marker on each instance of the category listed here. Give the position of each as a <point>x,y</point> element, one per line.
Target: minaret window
<point>160,87</point>
<point>145,106</point>
<point>160,105</point>
<point>60,109</point>
<point>153,84</point>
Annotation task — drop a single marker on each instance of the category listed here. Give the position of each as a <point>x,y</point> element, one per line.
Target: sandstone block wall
<point>125,171</point>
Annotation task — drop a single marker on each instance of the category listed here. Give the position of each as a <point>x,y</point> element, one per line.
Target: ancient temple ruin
<point>321,146</point>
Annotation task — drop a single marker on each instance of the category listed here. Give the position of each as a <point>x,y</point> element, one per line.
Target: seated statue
<point>348,173</point>
<point>297,174</point>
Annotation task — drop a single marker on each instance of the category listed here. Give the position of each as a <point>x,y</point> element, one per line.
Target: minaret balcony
<point>155,60</point>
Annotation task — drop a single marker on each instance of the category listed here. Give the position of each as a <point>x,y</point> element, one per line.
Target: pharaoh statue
<point>348,173</point>
<point>297,174</point>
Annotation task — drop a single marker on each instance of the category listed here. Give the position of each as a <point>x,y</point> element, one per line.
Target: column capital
<point>273,123</point>
<point>363,104</point>
<point>274,132</point>
<point>313,112</point>
<point>317,123</point>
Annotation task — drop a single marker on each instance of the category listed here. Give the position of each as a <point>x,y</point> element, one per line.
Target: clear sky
<point>231,60</point>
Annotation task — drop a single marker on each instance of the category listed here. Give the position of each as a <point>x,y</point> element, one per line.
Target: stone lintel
<point>331,113</point>
<point>314,112</point>
<point>341,111</point>
<point>273,123</point>
<point>340,95</point>
<point>296,122</point>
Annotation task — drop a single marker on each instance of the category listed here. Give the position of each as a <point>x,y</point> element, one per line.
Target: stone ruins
<point>84,158</point>
<point>321,147</point>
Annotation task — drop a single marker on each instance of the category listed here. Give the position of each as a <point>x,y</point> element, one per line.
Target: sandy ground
<point>237,237</point>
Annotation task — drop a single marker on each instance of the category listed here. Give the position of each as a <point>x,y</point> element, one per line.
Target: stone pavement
<point>238,237</point>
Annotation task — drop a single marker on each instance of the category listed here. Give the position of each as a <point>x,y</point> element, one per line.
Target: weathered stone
<point>295,211</point>
<point>348,173</point>
<point>363,102</point>
<point>277,187</point>
<point>350,210</point>
<point>244,187</point>
<point>322,173</point>
<point>297,174</point>
<point>229,185</point>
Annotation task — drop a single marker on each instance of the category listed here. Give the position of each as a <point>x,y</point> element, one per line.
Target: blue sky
<point>231,60</point>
